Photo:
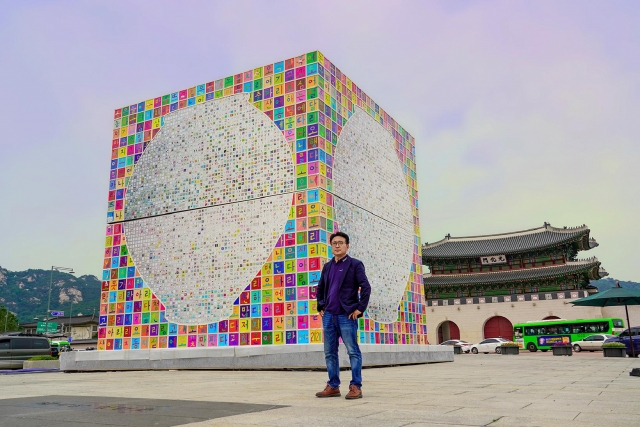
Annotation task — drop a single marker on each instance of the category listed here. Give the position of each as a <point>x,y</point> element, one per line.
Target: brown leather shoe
<point>354,393</point>
<point>329,392</point>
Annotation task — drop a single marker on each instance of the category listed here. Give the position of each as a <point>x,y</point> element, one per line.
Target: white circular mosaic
<point>206,204</point>
<point>374,208</point>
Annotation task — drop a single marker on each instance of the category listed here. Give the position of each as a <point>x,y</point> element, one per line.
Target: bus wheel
<point>532,347</point>
<point>577,348</point>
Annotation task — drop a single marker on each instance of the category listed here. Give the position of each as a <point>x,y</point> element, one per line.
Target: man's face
<point>339,246</point>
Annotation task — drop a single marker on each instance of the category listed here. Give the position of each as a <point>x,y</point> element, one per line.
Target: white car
<point>591,343</point>
<point>490,345</point>
<point>464,346</point>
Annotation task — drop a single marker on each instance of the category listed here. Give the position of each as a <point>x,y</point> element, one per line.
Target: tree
<point>8,320</point>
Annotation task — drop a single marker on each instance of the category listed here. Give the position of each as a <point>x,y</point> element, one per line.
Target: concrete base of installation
<point>262,357</point>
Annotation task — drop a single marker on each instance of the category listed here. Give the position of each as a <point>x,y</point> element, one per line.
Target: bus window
<point>617,323</point>
<point>564,329</point>
<point>536,330</point>
<point>577,329</point>
<point>552,330</point>
<point>517,332</point>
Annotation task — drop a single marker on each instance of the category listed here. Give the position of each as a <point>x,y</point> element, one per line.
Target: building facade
<point>82,327</point>
<point>478,287</point>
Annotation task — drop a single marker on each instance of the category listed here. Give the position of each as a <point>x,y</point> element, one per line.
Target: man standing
<point>340,307</point>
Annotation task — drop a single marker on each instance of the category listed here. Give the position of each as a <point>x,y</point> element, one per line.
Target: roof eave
<point>591,270</point>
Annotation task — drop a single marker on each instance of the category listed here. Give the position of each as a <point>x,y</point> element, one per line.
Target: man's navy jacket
<point>354,279</point>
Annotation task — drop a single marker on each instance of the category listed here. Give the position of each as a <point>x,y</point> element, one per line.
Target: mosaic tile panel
<point>198,262</point>
<point>224,156</point>
<point>368,173</point>
<point>223,151</point>
<point>386,254</point>
<point>380,212</point>
<point>310,102</point>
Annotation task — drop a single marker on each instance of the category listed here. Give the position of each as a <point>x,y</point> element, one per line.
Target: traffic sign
<point>43,327</point>
<point>57,313</point>
<point>69,339</point>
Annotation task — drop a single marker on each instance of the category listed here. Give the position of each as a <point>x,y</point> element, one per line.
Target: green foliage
<point>8,320</point>
<point>26,293</point>
<point>42,358</point>
<point>614,345</point>
<point>509,344</point>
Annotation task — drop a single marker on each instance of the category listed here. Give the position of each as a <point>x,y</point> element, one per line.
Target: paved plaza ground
<point>475,390</point>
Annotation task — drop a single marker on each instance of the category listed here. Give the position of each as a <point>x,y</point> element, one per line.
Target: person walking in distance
<point>340,306</point>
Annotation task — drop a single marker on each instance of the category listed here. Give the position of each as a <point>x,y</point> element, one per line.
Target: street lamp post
<point>65,269</point>
<point>70,311</point>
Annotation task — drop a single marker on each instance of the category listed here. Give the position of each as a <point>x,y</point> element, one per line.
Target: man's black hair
<point>339,234</point>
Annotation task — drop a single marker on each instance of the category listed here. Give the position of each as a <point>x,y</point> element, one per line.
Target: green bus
<point>544,334</point>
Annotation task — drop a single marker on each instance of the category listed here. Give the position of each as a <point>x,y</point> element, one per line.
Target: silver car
<point>591,343</point>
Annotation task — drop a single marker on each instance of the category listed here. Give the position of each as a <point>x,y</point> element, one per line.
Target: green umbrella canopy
<point>611,297</point>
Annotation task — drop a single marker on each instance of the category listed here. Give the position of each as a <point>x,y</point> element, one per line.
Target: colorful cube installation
<point>222,198</point>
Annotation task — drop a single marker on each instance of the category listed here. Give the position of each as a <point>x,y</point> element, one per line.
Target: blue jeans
<point>336,326</point>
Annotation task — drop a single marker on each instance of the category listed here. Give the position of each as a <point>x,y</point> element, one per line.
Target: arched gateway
<point>498,327</point>
<point>448,330</point>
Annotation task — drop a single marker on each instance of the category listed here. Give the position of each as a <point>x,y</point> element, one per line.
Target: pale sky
<point>523,112</point>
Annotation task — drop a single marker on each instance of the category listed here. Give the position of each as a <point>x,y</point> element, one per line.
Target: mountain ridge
<point>26,293</point>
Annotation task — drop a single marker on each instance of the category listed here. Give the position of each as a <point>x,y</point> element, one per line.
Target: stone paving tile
<point>431,424</point>
<point>627,394</point>
<point>520,421</point>
<point>452,417</point>
<point>528,390</point>
<point>609,419</point>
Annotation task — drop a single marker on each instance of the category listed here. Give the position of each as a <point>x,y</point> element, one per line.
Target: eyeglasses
<point>338,243</point>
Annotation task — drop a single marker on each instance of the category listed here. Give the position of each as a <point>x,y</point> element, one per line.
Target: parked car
<point>625,339</point>
<point>591,343</point>
<point>487,346</point>
<point>15,349</point>
<point>464,346</point>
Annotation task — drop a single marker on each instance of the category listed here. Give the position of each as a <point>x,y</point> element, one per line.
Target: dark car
<point>624,338</point>
<point>15,349</point>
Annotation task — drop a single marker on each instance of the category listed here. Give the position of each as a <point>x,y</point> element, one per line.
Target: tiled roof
<point>572,267</point>
<point>508,243</point>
